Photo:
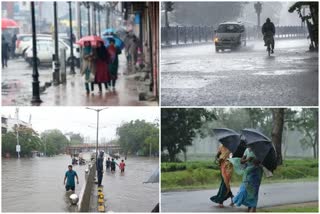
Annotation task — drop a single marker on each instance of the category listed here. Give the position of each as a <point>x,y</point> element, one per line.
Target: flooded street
<point>36,185</point>
<point>127,192</point>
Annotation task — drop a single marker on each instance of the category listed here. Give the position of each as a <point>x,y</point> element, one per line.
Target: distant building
<point>8,124</point>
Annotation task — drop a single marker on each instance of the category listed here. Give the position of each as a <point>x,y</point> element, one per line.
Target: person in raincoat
<point>226,172</point>
<point>114,63</point>
<point>268,30</point>
<point>88,68</point>
<point>101,66</point>
<point>249,167</point>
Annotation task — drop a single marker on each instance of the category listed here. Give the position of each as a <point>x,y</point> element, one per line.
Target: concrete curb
<point>85,194</point>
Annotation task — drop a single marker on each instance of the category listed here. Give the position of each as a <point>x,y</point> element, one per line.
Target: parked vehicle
<point>23,42</point>
<point>230,35</point>
<point>45,50</point>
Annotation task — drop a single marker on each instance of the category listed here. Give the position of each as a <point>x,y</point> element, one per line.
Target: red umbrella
<point>94,40</point>
<point>8,23</point>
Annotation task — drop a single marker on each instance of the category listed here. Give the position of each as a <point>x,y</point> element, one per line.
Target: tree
<point>75,138</point>
<point>138,137</point>
<point>168,7</point>
<point>28,139</point>
<point>277,129</point>
<point>308,125</point>
<point>54,142</point>
<point>179,126</point>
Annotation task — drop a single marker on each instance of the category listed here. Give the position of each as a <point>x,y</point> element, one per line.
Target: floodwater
<point>36,184</point>
<point>127,192</point>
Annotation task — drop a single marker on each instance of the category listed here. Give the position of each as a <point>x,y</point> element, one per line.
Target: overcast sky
<point>77,119</point>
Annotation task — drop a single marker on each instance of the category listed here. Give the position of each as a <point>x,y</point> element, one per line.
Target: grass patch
<point>205,174</point>
<point>305,207</point>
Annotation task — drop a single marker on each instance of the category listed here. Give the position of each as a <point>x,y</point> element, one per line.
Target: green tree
<point>307,124</point>
<point>137,136</point>
<point>75,138</point>
<point>54,142</point>
<point>28,139</point>
<point>179,126</point>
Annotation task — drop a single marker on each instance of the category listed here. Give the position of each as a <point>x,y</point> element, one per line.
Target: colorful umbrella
<point>94,40</point>
<point>118,42</point>
<point>8,23</point>
<point>109,31</point>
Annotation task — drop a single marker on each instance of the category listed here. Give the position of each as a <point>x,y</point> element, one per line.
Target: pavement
<point>17,88</point>
<point>198,76</point>
<point>269,195</point>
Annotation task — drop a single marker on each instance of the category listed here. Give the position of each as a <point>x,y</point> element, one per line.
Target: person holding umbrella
<point>251,180</point>
<point>88,68</point>
<point>101,65</point>
<point>230,141</point>
<point>250,166</point>
<point>114,63</point>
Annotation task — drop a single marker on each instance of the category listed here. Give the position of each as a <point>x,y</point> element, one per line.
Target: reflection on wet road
<point>17,88</point>
<point>36,185</point>
<point>198,75</point>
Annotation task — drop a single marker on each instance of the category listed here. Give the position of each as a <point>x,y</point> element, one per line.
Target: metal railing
<point>179,36</point>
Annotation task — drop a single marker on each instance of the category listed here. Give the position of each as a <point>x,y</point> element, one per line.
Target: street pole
<point>88,14</point>
<point>94,19</point>
<point>258,8</point>
<point>18,145</point>
<point>56,64</point>
<point>97,140</point>
<point>71,41</point>
<point>35,74</point>
<point>107,16</point>
<point>99,21</point>
<point>78,9</point>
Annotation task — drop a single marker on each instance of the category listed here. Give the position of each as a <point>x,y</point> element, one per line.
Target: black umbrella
<point>262,147</point>
<point>228,137</point>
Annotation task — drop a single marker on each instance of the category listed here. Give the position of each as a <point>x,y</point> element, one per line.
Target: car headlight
<point>216,39</point>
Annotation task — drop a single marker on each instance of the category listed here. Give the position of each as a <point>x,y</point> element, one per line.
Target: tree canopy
<point>138,137</point>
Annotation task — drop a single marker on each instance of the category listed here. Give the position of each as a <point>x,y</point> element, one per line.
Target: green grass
<point>205,174</point>
<point>308,207</point>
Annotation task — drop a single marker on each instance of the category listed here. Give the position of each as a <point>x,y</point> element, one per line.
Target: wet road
<point>269,195</point>
<point>17,88</point>
<point>126,192</point>
<point>36,185</point>
<point>196,76</point>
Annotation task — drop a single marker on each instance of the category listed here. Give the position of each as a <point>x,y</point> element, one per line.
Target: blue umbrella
<point>109,31</point>
<point>118,42</point>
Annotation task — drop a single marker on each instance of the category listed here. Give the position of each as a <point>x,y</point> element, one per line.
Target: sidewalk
<point>17,82</point>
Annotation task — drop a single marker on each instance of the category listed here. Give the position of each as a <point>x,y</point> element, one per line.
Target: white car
<point>23,42</point>
<point>45,50</point>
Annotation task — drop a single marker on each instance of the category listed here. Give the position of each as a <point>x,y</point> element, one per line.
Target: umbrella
<point>118,42</point>
<point>228,137</point>
<point>154,178</point>
<point>109,31</point>
<point>8,23</point>
<point>92,39</point>
<point>262,147</point>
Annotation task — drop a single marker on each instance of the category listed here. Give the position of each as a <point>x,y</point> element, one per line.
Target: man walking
<point>69,176</point>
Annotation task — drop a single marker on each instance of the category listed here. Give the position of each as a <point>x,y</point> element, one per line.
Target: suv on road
<point>230,35</point>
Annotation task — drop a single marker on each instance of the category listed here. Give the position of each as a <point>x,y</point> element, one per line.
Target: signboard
<point>18,148</point>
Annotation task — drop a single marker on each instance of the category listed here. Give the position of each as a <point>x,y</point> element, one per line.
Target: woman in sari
<point>250,168</point>
<point>226,172</point>
<point>102,69</point>
<point>87,68</point>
